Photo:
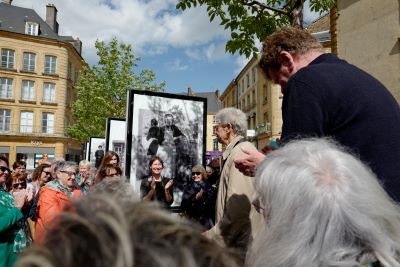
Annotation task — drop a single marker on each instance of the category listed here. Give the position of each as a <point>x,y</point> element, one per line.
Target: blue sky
<point>182,48</point>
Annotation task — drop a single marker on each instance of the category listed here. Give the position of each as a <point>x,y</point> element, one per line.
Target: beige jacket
<point>237,221</point>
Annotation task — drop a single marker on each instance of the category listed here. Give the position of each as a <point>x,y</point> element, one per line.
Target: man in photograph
<point>99,154</point>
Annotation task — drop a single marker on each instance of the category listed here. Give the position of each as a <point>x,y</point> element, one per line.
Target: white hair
<point>323,207</point>
<point>234,117</point>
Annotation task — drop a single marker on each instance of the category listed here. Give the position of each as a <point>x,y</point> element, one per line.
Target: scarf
<point>58,186</point>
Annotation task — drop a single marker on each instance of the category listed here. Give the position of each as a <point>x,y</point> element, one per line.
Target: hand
<point>248,163</point>
<point>200,194</point>
<point>20,199</point>
<point>207,235</point>
<point>169,184</point>
<point>153,185</point>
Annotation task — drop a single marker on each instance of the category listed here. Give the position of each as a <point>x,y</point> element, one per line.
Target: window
<point>29,62</point>
<point>6,90</point>
<point>248,80</point>
<point>239,88</point>
<point>215,144</point>
<point>76,73</point>
<point>50,64</point>
<point>69,70</point>
<point>28,90</point>
<point>31,28</point>
<point>48,123</point>
<point>49,92</point>
<point>242,86</point>
<point>7,58</point>
<point>5,118</point>
<point>253,74</point>
<point>26,124</point>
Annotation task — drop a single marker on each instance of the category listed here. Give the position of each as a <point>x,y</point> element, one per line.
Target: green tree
<point>102,88</point>
<point>249,19</point>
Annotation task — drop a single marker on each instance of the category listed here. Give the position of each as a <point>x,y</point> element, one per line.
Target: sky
<point>183,48</point>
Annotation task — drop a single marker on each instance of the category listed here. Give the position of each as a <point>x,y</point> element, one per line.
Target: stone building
<point>38,72</point>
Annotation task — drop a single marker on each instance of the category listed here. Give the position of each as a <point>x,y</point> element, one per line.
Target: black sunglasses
<point>22,184</point>
<point>4,169</point>
<point>48,173</point>
<point>196,173</point>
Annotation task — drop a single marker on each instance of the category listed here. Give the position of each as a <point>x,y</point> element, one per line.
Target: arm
<point>147,190</point>
<point>169,197</point>
<point>48,206</point>
<point>8,217</point>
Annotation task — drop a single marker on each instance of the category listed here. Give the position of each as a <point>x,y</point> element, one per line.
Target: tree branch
<point>264,6</point>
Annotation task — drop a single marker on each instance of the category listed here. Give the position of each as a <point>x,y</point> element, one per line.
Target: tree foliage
<point>249,19</point>
<point>102,89</point>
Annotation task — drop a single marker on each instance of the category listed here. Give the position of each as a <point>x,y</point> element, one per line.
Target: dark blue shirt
<point>331,97</point>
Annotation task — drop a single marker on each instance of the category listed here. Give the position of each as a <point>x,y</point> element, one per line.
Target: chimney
<point>51,17</point>
<point>7,2</point>
<point>190,93</point>
<point>77,45</point>
<point>217,93</point>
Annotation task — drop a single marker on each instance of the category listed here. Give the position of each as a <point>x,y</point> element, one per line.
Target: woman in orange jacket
<point>54,196</point>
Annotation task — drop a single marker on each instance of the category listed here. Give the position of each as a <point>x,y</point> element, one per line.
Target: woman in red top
<point>54,196</point>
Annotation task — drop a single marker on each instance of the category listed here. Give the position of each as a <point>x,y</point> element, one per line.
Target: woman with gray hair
<point>54,196</point>
<point>323,207</point>
<point>236,220</point>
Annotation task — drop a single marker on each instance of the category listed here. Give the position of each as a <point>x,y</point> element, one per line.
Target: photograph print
<point>115,138</point>
<point>169,126</point>
<point>97,146</point>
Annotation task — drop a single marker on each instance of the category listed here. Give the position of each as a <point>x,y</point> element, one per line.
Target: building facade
<point>38,72</point>
<point>368,36</point>
<point>213,148</point>
<point>260,100</point>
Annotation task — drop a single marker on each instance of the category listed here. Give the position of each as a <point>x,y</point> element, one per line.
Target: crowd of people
<point>325,197</point>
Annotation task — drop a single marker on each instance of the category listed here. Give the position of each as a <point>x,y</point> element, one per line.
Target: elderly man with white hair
<point>323,207</point>
<point>237,221</point>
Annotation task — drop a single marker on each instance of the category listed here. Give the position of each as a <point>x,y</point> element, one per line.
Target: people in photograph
<point>107,227</point>
<point>54,196</point>
<point>44,159</point>
<point>154,135</point>
<point>195,198</point>
<point>107,171</point>
<point>13,239</point>
<point>157,187</point>
<point>83,179</point>
<point>98,155</point>
<point>326,96</point>
<point>237,221</point>
<point>323,207</point>
<point>170,142</point>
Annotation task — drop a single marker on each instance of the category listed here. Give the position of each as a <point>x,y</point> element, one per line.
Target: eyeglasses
<point>4,169</point>
<point>257,205</point>
<point>47,173</point>
<point>196,173</point>
<point>69,173</point>
<point>22,184</point>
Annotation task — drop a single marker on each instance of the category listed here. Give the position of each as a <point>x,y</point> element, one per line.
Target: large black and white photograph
<point>115,138</point>
<point>97,147</point>
<point>171,127</point>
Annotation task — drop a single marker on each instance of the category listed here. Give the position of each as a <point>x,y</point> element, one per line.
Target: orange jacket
<point>50,204</point>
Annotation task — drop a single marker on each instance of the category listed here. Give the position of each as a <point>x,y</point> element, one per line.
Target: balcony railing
<point>263,128</point>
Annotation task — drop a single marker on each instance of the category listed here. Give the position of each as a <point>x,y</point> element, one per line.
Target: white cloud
<point>150,26</point>
<point>177,65</point>
<point>241,62</point>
